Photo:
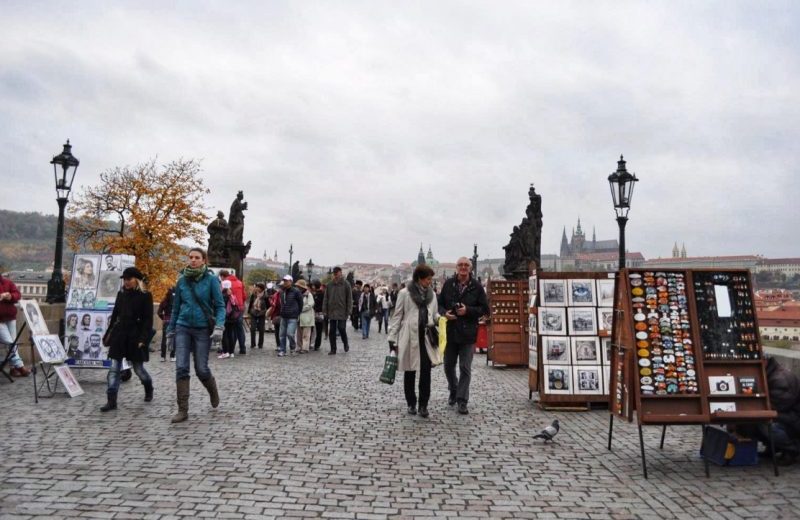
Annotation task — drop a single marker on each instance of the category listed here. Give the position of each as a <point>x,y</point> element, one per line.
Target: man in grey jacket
<point>336,306</point>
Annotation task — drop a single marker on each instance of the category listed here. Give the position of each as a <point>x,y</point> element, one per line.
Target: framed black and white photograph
<point>605,350</point>
<point>558,379</point>
<point>68,380</point>
<point>605,292</point>
<point>555,350</point>
<point>553,293</point>
<point>109,263</point>
<point>605,319</point>
<point>108,288</point>
<point>533,286</point>
<point>582,321</point>
<point>587,380</point>
<point>552,321</point>
<point>722,406</point>
<point>84,272</point>
<point>33,315</point>
<point>721,385</point>
<point>585,351</point>
<point>580,293</point>
<point>50,349</point>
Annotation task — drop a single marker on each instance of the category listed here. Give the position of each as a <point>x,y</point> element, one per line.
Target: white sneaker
<point>230,355</point>
<point>163,359</point>
<point>224,355</point>
<point>172,359</point>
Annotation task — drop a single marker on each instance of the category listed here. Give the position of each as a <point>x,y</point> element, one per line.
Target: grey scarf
<point>422,297</point>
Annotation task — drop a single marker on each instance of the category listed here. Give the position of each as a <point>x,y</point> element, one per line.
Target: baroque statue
<point>217,237</point>
<point>525,244</point>
<point>236,220</point>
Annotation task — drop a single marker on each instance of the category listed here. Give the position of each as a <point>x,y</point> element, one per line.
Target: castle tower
<point>564,244</point>
<point>420,256</point>
<point>683,251</point>
<point>675,252</point>
<point>578,239</point>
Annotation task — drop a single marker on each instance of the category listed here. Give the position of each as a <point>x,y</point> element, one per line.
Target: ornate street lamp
<point>64,167</point>
<point>622,183</point>
<point>310,268</point>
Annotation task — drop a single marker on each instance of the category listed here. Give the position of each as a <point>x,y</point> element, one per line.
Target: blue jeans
<point>8,333</point>
<point>366,317</point>
<point>188,340</point>
<point>116,367</point>
<point>288,330</point>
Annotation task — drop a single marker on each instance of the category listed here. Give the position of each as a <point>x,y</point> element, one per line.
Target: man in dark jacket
<point>320,322</point>
<point>291,306</point>
<point>336,306</point>
<point>462,301</point>
<point>165,312</point>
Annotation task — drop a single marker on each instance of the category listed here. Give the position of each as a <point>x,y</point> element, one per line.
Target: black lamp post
<point>291,252</point>
<point>475,261</point>
<point>64,167</point>
<point>310,268</point>
<point>622,183</point>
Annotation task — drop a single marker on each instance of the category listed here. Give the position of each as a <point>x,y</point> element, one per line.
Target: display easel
<point>574,401</point>
<point>508,326</point>
<point>634,386</point>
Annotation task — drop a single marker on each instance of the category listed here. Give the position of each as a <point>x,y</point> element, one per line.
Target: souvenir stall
<point>686,351</point>
<point>508,325</point>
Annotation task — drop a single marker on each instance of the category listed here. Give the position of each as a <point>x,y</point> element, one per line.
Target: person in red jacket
<point>237,289</point>
<point>9,296</point>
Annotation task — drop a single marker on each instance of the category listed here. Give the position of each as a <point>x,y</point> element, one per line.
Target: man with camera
<point>462,301</point>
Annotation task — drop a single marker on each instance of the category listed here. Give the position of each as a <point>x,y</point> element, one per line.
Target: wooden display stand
<point>508,327</point>
<point>577,398</point>
<point>711,371</point>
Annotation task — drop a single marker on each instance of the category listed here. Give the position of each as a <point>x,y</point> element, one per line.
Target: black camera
<point>455,308</point>
<point>722,386</point>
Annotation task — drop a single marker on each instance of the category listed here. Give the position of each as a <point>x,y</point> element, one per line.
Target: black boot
<point>112,402</point>
<point>148,391</point>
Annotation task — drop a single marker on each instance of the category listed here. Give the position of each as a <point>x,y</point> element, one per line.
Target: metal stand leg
<point>610,429</point>
<point>663,434</point>
<point>772,449</point>
<point>705,451</point>
<point>641,446</point>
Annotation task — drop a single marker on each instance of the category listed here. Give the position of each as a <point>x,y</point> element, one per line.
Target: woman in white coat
<point>416,311</point>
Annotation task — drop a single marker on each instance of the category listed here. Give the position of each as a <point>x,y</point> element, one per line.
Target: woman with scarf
<point>410,337</point>
<point>128,335</point>
<point>198,315</point>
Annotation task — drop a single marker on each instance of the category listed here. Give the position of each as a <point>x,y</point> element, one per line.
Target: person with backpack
<point>233,311</point>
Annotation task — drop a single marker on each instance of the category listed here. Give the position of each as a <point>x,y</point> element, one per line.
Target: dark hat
<point>132,272</point>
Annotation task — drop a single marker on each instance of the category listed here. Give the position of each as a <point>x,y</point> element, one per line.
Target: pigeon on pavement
<point>548,433</point>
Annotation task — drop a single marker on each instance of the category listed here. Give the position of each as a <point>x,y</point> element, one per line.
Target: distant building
<point>787,266</point>
<point>782,323</point>
<point>580,254</point>
<point>32,285</point>
<point>692,262</point>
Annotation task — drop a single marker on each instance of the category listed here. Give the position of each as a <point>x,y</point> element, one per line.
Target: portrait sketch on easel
<point>33,315</point>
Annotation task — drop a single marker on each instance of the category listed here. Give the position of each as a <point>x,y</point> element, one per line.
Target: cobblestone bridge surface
<point>319,436</point>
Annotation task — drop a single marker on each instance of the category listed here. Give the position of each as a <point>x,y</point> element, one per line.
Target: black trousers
<point>341,326</point>
<point>277,325</point>
<point>458,385</point>
<point>257,325</point>
<point>319,327</point>
<point>409,379</point>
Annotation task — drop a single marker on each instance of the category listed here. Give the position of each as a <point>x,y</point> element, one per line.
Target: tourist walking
<point>198,313</point>
<point>306,319</point>
<point>366,308</point>
<point>383,303</point>
<point>237,289</point>
<point>128,335</point>
<point>267,321</point>
<point>415,314</point>
<point>274,316</point>
<point>463,302</point>
<point>320,322</point>
<point>355,316</point>
<point>336,306</point>
<point>291,305</point>
<point>164,313</point>
<point>257,310</point>
<point>9,296</point>
<point>232,314</point>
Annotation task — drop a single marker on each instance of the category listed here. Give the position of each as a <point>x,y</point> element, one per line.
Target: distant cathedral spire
<point>683,250</point>
<point>420,255</point>
<point>675,252</point>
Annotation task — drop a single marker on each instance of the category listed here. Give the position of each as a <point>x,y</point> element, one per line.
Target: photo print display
<point>581,293</point>
<point>84,272</point>
<point>721,385</point>
<point>605,292</point>
<point>605,319</point>
<point>110,263</point>
<point>605,350</point>
<point>587,380</point>
<point>558,379</point>
<point>582,321</point>
<point>553,293</point>
<point>68,380</point>
<point>50,349</point>
<point>585,351</point>
<point>556,350</point>
<point>34,317</point>
<point>552,321</point>
<point>722,407</point>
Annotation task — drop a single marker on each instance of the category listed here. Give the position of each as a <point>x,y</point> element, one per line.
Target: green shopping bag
<point>389,369</point>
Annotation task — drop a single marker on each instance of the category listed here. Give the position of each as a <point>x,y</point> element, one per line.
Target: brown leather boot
<point>183,401</point>
<point>213,394</point>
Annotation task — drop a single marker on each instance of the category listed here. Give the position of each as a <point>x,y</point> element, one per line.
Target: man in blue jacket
<point>198,316</point>
<point>291,307</point>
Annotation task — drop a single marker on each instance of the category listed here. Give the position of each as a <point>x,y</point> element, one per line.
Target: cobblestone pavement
<point>319,436</point>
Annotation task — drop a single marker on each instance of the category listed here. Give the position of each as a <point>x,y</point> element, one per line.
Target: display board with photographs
<point>95,282</point>
<point>574,319</point>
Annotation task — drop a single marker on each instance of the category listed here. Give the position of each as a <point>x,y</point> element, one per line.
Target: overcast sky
<point>358,130</point>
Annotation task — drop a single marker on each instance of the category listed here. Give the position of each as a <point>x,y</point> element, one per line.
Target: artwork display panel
<point>587,379</point>
<point>68,380</point>
<point>34,317</point>
<point>556,350</point>
<point>558,379</point>
<point>581,292</point>
<point>585,351</point>
<point>582,321</point>
<point>553,293</point>
<point>553,321</point>
<point>50,348</point>
<point>605,318</point>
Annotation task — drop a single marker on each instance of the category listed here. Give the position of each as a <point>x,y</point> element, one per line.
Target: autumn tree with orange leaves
<point>146,211</point>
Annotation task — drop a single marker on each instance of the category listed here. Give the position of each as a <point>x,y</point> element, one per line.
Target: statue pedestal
<point>236,256</point>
